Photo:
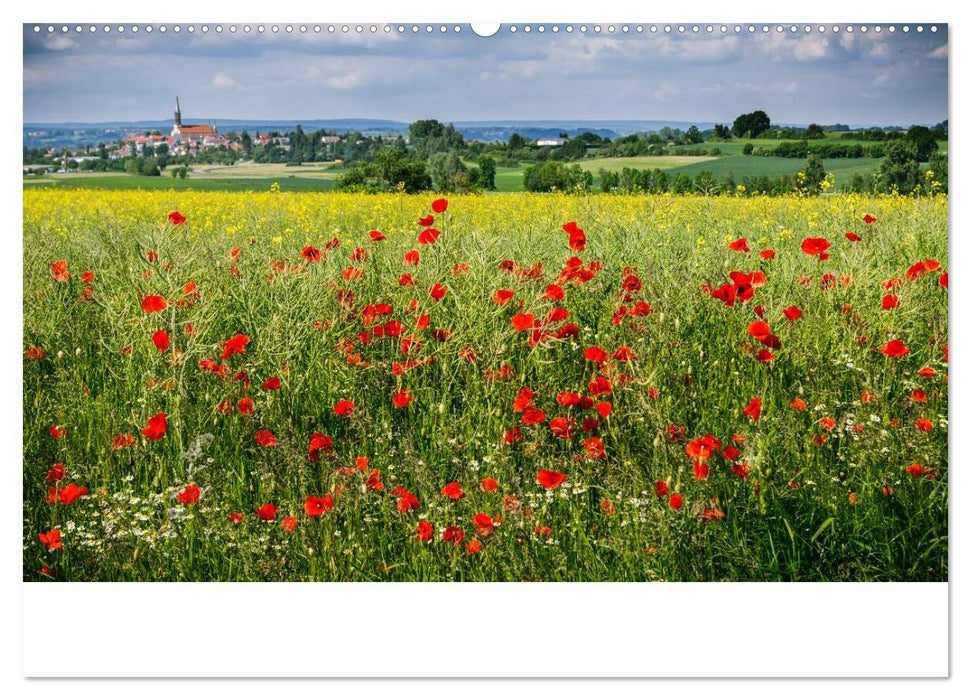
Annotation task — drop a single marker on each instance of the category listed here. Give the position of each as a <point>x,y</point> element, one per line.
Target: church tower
<point>177,127</point>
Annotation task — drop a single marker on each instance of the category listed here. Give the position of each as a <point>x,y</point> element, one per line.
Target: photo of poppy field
<point>284,386</point>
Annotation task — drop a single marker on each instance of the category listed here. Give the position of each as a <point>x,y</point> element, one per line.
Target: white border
<point>513,630</point>
<point>184,623</point>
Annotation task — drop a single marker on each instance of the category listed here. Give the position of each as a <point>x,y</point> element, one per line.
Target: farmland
<point>299,386</point>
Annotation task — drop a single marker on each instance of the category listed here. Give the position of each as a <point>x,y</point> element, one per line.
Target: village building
<point>550,142</point>
<point>190,138</point>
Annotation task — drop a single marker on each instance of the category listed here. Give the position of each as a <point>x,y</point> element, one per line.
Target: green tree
<point>937,164</point>
<point>923,140</point>
<point>751,125</point>
<point>900,170</point>
<point>487,172</point>
<point>814,174</point>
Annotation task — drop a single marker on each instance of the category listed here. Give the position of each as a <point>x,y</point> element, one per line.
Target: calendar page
<point>377,316</point>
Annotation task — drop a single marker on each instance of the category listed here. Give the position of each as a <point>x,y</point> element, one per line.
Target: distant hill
<point>75,134</point>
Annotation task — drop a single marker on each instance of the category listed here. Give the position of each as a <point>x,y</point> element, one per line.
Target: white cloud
<point>221,81</point>
<point>939,52</point>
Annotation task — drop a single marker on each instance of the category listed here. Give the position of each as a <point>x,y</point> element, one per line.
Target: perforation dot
<point>161,28</point>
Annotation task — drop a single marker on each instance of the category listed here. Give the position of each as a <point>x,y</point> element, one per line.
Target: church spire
<point>178,112</point>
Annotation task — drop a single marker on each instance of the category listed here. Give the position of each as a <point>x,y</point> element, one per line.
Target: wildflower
<point>188,495</point>
<point>265,438</point>
<point>315,506</point>
<point>549,480</point>
<point>157,425</point>
<point>267,511</point>
<point>51,539</point>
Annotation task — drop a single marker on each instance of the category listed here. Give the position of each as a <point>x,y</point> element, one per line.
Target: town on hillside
<point>750,155</point>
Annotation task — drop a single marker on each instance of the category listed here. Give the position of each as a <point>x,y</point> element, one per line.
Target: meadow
<point>298,386</point>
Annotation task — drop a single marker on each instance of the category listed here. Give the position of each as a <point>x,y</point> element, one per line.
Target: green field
<point>262,391</point>
<point>248,176</point>
<point>749,166</point>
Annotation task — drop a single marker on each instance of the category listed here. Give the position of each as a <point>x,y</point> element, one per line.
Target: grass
<point>815,500</point>
<point>751,166</point>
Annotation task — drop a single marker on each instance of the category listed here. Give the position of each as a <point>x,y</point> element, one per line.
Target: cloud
<point>221,81</point>
<point>940,52</point>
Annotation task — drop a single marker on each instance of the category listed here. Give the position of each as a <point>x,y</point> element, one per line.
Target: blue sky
<point>856,78</point>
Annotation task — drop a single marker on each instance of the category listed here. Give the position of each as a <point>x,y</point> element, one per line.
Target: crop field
<point>276,386</point>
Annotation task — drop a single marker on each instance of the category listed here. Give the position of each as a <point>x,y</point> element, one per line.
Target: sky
<point>852,78</point>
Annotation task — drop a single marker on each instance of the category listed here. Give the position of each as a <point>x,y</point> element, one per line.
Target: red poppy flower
<point>675,502</point>
<point>764,356</point>
<point>852,237</point>
<point>739,246</point>
<point>289,523</point>
<point>51,539</point>
<point>315,506</point>
<point>310,254</point>
<point>438,291</point>
<point>701,470</point>
<point>245,406</point>
<point>265,438</point>
<point>188,495</point>
<point>816,247</point>
<point>488,484</point>
<point>59,271</point>
<point>153,303</point>
<point>503,296</point>
<point>767,254</point>
<point>924,424</point>
<point>549,480</point>
<point>453,490</point>
<point>235,518</point>
<point>895,348</point>
<point>754,409</point>
<point>344,408</point>
<point>512,435</point>
<point>412,257</point>
<point>578,239</point>
<point>926,372</point>
<point>235,345</point>
<point>377,236</point>
<point>759,330</point>
<point>120,441</point>
<point>792,312</point>
<point>916,470</point>
<point>401,398</point>
<point>424,531</point>
<point>58,432</point>
<point>318,443</point>
<point>157,425</point>
<point>70,493</point>
<point>920,269</point>
<point>533,416</point>
<point>406,500</point>
<point>267,511</point>
<point>868,219</point>
<point>522,322</point>
<point>439,206</point>
<point>429,236</point>
<point>161,340</point>
<point>426,220</point>
<point>596,354</point>
<point>594,448</point>
<point>661,488</point>
<point>453,534</point>
<point>271,383</point>
<point>55,473</point>
<point>554,292</point>
<point>798,405</point>
<point>600,386</point>
<point>176,219</point>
